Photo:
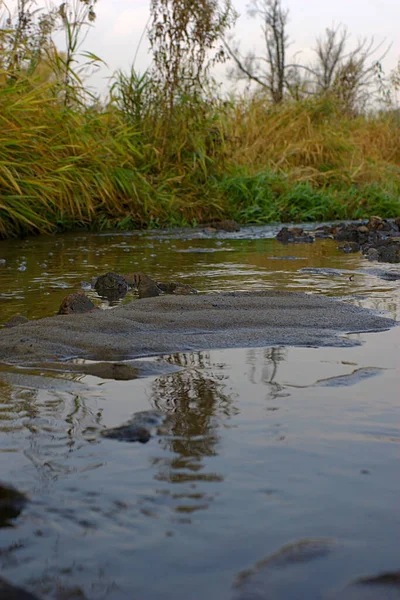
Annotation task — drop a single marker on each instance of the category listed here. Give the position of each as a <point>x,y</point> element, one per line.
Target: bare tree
<point>350,75</point>
<point>270,70</point>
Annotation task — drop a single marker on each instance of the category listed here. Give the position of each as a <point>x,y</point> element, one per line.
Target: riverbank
<point>94,168</point>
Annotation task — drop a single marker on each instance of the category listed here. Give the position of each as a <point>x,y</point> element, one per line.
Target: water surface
<point>275,472</point>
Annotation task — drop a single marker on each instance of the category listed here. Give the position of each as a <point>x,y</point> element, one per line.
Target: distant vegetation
<point>166,149</point>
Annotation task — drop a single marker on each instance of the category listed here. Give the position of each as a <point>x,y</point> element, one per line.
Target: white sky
<point>120,24</point>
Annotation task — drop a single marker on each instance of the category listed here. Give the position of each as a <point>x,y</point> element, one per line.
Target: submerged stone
<point>76,303</point>
<point>128,433</point>
<point>11,504</point>
<point>16,320</point>
<point>12,592</point>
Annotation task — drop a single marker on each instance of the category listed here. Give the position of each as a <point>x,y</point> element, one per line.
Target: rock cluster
<point>290,235</point>
<point>113,287</point>
<point>377,238</point>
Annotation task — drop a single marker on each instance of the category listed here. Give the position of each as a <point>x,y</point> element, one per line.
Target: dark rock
<point>226,225</point>
<point>11,592</point>
<point>11,504</point>
<point>76,303</point>
<point>128,433</point>
<point>16,320</point>
<point>111,286</point>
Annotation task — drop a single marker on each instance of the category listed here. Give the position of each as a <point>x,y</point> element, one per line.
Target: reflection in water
<point>269,369</point>
<point>52,424</point>
<point>223,493</point>
<point>195,403</point>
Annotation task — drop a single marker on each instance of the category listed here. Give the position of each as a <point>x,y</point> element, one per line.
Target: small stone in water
<point>76,303</point>
<point>128,433</point>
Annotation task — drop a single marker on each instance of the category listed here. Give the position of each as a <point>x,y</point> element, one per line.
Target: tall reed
<point>97,167</point>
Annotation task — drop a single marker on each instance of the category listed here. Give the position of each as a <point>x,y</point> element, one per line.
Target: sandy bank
<point>170,324</point>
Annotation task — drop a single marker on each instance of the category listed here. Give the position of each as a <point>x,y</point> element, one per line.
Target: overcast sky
<point>120,24</point>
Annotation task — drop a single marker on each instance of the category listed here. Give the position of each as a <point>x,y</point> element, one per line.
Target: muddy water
<point>274,474</point>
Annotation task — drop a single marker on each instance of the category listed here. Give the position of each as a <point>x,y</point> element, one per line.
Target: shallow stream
<point>275,475</point>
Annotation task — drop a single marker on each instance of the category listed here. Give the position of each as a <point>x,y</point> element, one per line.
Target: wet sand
<point>167,324</point>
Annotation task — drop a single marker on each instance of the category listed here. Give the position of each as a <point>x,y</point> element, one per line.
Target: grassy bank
<point>97,168</point>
